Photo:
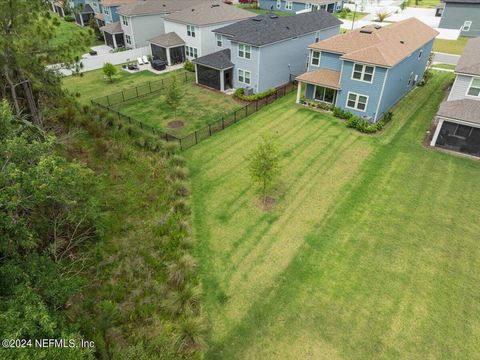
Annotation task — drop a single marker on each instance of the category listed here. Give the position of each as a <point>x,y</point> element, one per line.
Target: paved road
<point>446,58</point>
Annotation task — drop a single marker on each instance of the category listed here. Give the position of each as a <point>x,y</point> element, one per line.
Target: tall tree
<point>174,96</point>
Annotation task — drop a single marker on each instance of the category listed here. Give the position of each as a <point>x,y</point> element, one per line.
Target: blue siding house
<point>263,52</point>
<point>368,70</point>
<point>109,9</point>
<point>301,5</point>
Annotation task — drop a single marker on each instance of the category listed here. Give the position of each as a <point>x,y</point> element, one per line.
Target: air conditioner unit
<point>416,78</point>
<point>248,91</point>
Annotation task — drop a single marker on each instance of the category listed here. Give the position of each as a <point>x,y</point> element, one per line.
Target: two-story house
<point>366,71</point>
<point>463,15</point>
<point>263,52</point>
<point>110,9</point>
<point>295,6</point>
<point>144,20</point>
<point>458,118</point>
<point>195,25</point>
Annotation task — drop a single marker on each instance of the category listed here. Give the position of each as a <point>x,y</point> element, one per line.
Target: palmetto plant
<point>183,301</point>
<point>191,330</point>
<point>381,16</point>
<point>179,271</point>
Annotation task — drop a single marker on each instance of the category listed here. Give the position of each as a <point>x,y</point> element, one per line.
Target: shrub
<point>364,126</point>
<point>181,207</point>
<point>69,18</point>
<point>342,114</point>
<point>177,160</point>
<point>387,117</point>
<point>239,93</point>
<point>178,173</point>
<point>171,148</point>
<point>189,66</point>
<point>180,189</point>
<point>426,77</point>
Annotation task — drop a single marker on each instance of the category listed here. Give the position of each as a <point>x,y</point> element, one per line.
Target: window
<point>125,20</point>
<point>363,72</point>
<point>244,51</point>
<point>279,4</point>
<point>219,40</point>
<point>316,58</point>
<point>288,5</point>
<point>128,40</point>
<point>191,30</point>
<point>324,94</point>
<point>474,89</point>
<point>357,101</point>
<point>410,79</point>
<point>308,6</point>
<point>317,36</point>
<point>466,26</point>
<point>244,76</point>
<point>420,54</point>
<point>105,11</point>
<point>191,52</point>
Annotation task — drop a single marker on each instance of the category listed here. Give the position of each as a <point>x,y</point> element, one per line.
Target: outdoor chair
<point>145,59</point>
<point>140,61</point>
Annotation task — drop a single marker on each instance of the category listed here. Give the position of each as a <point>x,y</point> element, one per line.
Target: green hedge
<point>355,122</point>
<point>239,93</point>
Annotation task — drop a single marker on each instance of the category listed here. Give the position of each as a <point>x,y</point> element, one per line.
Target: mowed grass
<point>450,46</point>
<point>199,106</point>
<point>370,253</point>
<point>94,84</point>
<point>423,3</point>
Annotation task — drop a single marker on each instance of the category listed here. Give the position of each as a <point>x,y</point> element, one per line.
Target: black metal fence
<point>195,137</point>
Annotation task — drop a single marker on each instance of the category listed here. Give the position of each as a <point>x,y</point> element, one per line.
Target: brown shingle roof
<point>385,46</point>
<point>324,77</point>
<point>152,7</point>
<point>117,2</point>
<point>469,62</point>
<point>210,12</point>
<point>113,28</point>
<point>167,40</point>
<point>465,109</point>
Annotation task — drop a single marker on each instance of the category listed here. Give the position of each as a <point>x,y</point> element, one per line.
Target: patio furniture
<point>159,65</point>
<point>140,61</point>
<point>145,59</point>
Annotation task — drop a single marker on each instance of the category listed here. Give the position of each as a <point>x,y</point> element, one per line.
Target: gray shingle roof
<point>113,28</point>
<point>218,60</point>
<point>152,7</point>
<point>465,109</point>
<point>463,1</point>
<point>209,12</point>
<point>167,40</point>
<point>87,9</point>
<point>469,62</point>
<point>267,29</point>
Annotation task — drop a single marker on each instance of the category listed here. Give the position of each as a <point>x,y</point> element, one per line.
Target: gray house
<point>295,6</point>
<point>463,15</point>
<point>458,119</point>
<point>263,52</point>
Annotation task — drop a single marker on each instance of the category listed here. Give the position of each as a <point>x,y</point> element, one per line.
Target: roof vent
<point>215,5</point>
<point>366,31</point>
<point>377,27</point>
<point>288,27</point>
<point>257,19</point>
<point>402,42</point>
<point>273,16</point>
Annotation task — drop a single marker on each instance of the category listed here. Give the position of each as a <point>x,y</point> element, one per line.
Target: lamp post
<point>354,13</point>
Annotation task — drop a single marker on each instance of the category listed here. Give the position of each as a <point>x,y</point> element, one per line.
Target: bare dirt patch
<point>266,204</point>
<point>176,124</point>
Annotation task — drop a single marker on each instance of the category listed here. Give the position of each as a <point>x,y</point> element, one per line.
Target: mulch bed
<point>176,124</point>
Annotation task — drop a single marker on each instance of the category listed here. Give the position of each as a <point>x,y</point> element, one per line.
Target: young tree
<point>264,164</point>
<point>174,96</point>
<point>109,70</point>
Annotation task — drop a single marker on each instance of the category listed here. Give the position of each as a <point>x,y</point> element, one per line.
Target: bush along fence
<point>195,137</point>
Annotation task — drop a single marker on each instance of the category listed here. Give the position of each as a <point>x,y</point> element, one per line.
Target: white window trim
<point>356,101</point>
<point>411,79</point>
<point>288,5</point>
<point>324,91</point>
<point>244,77</point>
<point>470,86</point>
<point>279,4</point>
<point>420,54</point>
<point>125,20</point>
<point>128,39</point>
<point>317,35</point>
<point>244,52</point>
<point>192,30</point>
<point>363,72</point>
<point>219,40</point>
<point>467,24</point>
<point>319,57</point>
<point>308,6</point>
<point>190,52</point>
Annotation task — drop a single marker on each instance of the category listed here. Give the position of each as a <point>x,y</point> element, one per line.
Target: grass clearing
<point>444,66</point>
<point>198,107</point>
<point>371,251</point>
<point>423,3</point>
<point>93,84</point>
<point>343,15</point>
<point>450,46</point>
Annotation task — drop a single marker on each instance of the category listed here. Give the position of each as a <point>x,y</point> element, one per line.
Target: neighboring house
<point>110,8</point>
<point>463,15</point>
<point>144,20</point>
<point>57,7</point>
<point>263,52</point>
<point>301,5</point>
<point>113,35</point>
<point>458,118</point>
<point>83,14</point>
<point>366,71</point>
<point>195,26</point>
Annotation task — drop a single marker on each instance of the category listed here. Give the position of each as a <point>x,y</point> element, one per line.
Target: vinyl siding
<point>181,30</point>
<point>296,6</point>
<point>143,28</point>
<point>455,15</point>
<point>460,88</point>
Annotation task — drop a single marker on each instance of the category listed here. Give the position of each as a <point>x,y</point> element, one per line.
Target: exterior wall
<point>142,28</point>
<point>460,88</point>
<point>396,85</point>
<point>455,15</point>
<point>95,5</point>
<point>296,6</point>
<point>110,13</point>
<point>327,61</point>
<point>251,65</point>
<point>181,30</point>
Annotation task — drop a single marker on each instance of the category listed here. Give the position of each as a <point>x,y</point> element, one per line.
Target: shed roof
<point>464,110</point>
<point>113,28</point>
<point>218,60</point>
<point>167,40</point>
<point>469,62</point>
<point>209,12</point>
<point>324,77</point>
<point>385,46</point>
<point>270,28</point>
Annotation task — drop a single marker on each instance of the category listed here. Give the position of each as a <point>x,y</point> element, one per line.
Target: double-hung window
<point>363,72</point>
<point>128,40</point>
<point>308,6</point>
<point>467,25</point>
<point>288,5</point>
<point>244,51</point>
<point>218,37</point>
<point>317,36</point>
<point>105,11</point>
<point>244,76</point>
<point>191,52</point>
<point>420,54</point>
<point>125,20</point>
<point>315,58</point>
<point>357,101</point>
<point>191,30</point>
<point>279,4</point>
<point>474,89</point>
<point>410,79</point>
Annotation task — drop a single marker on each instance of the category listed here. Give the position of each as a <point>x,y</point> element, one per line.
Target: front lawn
<point>93,84</point>
<point>262,11</point>
<point>371,251</point>
<point>423,3</point>
<point>348,15</point>
<point>450,46</point>
<point>198,107</point>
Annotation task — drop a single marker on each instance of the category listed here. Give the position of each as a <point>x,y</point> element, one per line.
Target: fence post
<point>166,137</point>
<point>123,96</point>
<point>223,123</point>
<point>150,86</point>
<point>136,90</point>
<point>108,100</point>
<point>235,116</point>
<point>210,129</point>
<point>256,106</point>
<point>180,142</point>
<point>196,140</point>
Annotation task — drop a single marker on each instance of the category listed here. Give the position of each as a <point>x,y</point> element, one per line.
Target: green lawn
<point>199,107</point>
<point>343,15</point>
<point>262,11</point>
<point>423,3</point>
<point>444,66</point>
<point>93,84</point>
<point>370,253</point>
<point>450,46</point>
